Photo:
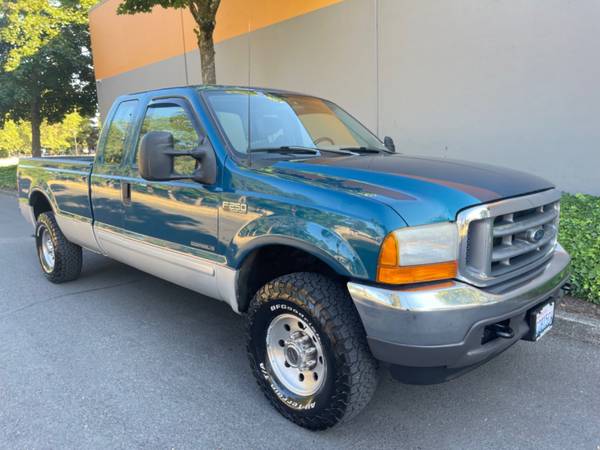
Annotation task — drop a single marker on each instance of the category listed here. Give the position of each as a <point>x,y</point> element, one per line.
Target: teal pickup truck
<point>342,254</point>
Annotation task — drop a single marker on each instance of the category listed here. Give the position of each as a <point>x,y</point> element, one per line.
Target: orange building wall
<point>124,43</point>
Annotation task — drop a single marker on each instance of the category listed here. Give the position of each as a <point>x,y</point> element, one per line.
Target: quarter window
<point>118,131</point>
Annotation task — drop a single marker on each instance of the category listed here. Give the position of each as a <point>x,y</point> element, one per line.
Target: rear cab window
<point>118,132</point>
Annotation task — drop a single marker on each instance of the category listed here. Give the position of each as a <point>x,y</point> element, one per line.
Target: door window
<point>175,120</point>
<point>114,145</point>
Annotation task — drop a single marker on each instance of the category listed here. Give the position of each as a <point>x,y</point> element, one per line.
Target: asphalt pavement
<point>121,359</point>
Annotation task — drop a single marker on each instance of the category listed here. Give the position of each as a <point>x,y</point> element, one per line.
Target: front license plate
<point>543,319</point>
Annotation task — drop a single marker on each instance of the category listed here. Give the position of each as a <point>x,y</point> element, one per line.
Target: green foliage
<point>57,138</point>
<point>8,178</point>
<point>204,13</point>
<point>32,24</point>
<point>15,138</point>
<point>73,135</point>
<point>45,63</point>
<point>580,236</point>
<point>144,6</point>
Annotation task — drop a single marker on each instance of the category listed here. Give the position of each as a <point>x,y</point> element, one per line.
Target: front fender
<point>311,237</point>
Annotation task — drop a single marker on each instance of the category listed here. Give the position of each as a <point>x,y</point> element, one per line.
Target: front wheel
<point>308,351</point>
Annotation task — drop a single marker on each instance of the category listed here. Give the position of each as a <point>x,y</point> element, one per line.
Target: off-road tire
<point>352,374</point>
<point>67,256</point>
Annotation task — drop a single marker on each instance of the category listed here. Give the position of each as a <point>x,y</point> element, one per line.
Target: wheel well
<point>269,262</point>
<point>40,204</point>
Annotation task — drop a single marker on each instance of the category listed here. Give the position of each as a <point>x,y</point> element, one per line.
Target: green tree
<point>204,13</point>
<point>45,63</point>
<point>15,138</point>
<point>73,135</point>
<point>63,136</point>
<point>89,133</point>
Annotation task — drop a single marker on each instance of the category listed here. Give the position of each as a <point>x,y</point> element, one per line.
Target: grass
<point>8,178</point>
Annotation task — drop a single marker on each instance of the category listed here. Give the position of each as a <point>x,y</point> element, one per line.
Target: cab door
<point>177,215</point>
<point>110,170</point>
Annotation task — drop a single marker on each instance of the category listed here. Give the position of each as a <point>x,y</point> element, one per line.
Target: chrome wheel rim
<point>296,355</point>
<point>47,251</point>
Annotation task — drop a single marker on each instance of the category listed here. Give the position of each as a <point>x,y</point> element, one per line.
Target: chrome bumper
<point>458,295</point>
<point>443,325</point>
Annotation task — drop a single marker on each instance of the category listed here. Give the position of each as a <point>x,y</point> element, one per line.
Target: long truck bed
<point>65,182</point>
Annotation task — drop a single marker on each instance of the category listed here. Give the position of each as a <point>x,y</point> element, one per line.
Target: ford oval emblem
<point>536,235</point>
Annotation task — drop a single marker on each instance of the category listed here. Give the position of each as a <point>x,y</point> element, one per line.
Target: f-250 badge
<point>235,207</point>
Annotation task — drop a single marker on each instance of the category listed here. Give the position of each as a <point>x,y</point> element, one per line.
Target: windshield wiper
<point>286,149</point>
<point>297,149</point>
<point>364,150</point>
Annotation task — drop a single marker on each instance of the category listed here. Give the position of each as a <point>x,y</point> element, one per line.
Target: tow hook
<point>501,330</point>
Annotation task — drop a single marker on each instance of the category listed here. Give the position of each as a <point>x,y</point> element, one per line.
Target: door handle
<point>126,193</point>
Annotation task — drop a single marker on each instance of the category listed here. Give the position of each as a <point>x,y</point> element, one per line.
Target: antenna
<point>248,152</point>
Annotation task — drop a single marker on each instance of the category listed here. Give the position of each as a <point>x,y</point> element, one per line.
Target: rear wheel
<point>60,259</point>
<point>308,350</point>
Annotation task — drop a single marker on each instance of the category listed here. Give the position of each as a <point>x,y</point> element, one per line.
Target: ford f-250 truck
<point>340,252</point>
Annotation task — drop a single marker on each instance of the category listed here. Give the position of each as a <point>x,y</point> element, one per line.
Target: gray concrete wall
<point>498,81</point>
<point>515,83</point>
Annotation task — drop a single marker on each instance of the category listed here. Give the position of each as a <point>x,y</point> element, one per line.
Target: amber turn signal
<point>388,255</point>
<point>416,274</point>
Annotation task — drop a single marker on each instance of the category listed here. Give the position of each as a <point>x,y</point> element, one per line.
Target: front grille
<point>503,240</point>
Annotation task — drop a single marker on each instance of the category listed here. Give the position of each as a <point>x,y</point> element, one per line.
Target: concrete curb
<point>578,327</point>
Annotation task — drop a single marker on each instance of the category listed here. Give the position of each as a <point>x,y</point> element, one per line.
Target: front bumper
<point>433,333</point>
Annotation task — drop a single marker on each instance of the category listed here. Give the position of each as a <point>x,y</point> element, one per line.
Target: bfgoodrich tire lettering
<point>351,372</point>
<point>66,260</point>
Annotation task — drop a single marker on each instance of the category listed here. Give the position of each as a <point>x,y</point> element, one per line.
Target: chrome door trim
<point>162,244</point>
<point>173,262</point>
<point>78,229</point>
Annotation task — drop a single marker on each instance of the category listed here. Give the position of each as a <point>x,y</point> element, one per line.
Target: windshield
<point>256,120</point>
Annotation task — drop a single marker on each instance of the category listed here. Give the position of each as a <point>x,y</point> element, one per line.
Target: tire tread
<point>330,305</point>
<point>68,256</point>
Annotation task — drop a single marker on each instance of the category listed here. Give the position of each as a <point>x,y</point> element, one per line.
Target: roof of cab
<point>218,87</point>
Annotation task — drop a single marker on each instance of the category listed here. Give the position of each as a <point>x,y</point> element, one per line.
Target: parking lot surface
<point>121,359</point>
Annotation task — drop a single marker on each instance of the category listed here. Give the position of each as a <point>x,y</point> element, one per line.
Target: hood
<point>422,190</point>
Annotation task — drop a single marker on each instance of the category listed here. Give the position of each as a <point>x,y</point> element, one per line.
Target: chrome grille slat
<point>519,247</point>
<point>538,257</point>
<point>503,240</point>
<point>507,228</point>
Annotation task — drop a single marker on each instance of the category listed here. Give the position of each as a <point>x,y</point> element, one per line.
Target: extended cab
<point>340,252</point>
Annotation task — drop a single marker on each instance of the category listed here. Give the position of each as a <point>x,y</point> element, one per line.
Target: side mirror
<point>389,144</point>
<point>157,159</point>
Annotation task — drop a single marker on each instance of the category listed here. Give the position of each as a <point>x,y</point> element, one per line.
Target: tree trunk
<point>207,54</point>
<point>36,122</point>
<point>204,13</point>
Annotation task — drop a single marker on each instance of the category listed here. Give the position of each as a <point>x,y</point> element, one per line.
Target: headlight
<point>418,254</point>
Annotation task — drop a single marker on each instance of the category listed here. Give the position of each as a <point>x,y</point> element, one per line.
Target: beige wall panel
<point>167,73</point>
<point>330,52</point>
<point>231,62</point>
<point>504,82</point>
<point>335,62</point>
